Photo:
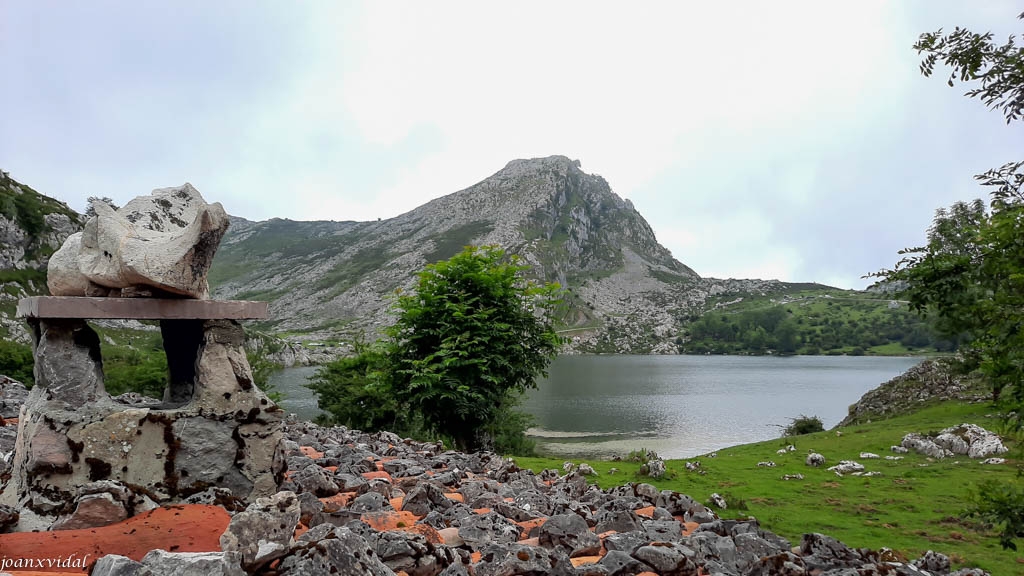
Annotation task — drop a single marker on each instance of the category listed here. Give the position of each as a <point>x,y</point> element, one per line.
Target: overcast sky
<point>772,140</point>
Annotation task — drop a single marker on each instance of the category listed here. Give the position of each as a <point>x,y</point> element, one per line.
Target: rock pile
<point>931,380</point>
<point>377,504</point>
<point>964,440</point>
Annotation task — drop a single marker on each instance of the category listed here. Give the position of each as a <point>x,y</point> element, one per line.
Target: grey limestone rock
<point>163,563</point>
<point>569,533</point>
<point>264,524</point>
<point>12,396</point>
<point>165,241</point>
<point>116,565</point>
<point>814,459</point>
<point>340,552</point>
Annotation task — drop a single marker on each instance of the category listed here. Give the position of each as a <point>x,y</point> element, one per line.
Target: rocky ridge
<point>932,380</point>
<point>625,292</point>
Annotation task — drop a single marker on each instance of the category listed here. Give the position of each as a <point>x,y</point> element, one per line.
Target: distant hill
<point>329,282</point>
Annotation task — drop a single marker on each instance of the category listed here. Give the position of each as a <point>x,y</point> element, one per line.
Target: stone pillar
<point>215,429</point>
<point>68,363</point>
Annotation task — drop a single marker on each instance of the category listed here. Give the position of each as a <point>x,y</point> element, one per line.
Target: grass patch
<point>913,507</point>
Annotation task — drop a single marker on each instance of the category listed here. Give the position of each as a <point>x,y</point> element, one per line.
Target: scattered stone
<point>815,459</point>
<point>894,458</point>
<point>163,563</point>
<point>790,448</point>
<point>793,477</point>
<point>966,439</point>
<point>691,466</point>
<point>869,455</point>
<point>116,565</point>
<point>994,461</point>
<point>768,464</point>
<point>846,467</point>
<point>569,533</point>
<point>899,449</point>
<point>653,468</point>
<point>718,501</point>
<point>12,396</point>
<point>587,470</point>
<point>933,562</point>
<point>780,451</point>
<point>263,531</point>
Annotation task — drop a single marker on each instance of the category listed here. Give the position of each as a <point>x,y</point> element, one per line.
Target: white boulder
<point>165,241</point>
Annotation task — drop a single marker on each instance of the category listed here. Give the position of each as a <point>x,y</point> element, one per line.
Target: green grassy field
<point>914,506</point>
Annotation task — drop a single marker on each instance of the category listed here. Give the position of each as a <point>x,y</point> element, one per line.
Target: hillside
<point>32,227</point>
<point>329,281</point>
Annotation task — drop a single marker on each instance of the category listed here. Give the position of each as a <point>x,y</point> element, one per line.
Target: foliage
<point>471,337</point>
<point>911,508</point>
<point>814,322</point>
<point>803,425</point>
<point>1001,504</point>
<point>356,392</point>
<point>140,366</point>
<point>262,368</point>
<point>16,362</point>
<point>472,334</point>
<point>90,209</point>
<point>972,56</point>
<point>971,272</point>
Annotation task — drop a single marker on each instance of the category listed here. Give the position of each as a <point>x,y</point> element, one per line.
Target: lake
<point>679,406</point>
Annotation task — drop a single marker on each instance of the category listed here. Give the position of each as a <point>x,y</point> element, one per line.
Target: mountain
<point>331,280</point>
<point>32,227</point>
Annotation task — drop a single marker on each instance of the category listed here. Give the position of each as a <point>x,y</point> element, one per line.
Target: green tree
<point>971,272</point>
<point>471,337</point>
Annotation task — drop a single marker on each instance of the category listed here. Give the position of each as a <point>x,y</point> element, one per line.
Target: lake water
<point>679,406</point>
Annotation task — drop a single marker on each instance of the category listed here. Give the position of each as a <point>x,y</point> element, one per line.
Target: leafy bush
<point>803,425</point>
<point>1001,504</point>
<point>16,362</point>
<point>468,341</point>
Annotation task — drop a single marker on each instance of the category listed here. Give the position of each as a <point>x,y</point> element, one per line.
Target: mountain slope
<point>330,279</point>
<point>32,227</point>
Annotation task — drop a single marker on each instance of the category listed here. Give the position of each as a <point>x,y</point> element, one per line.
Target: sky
<point>787,140</point>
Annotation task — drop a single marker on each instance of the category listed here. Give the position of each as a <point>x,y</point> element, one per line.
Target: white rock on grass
<point>718,501</point>
<point>847,467</point>
<point>994,461</point>
<point>815,459</point>
<point>868,455</point>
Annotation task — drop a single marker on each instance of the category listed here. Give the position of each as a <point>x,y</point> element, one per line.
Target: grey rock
<point>620,564</point>
<point>115,565</point>
<point>68,364</point>
<point>627,542</point>
<point>425,498</point>
<point>479,530</point>
<point>166,241</point>
<point>847,467</point>
<point>668,558</point>
<point>933,562</point>
<point>267,521</point>
<point>782,564</point>
<point>617,520</point>
<point>663,530</point>
<point>340,553</point>
<point>207,454</point>
<point>93,511</point>
<point>822,552</point>
<point>814,459</point>
<point>8,517</point>
<point>369,502</point>
<point>12,395</point>
<point>316,480</point>
<point>569,533</point>
<point>163,563</point>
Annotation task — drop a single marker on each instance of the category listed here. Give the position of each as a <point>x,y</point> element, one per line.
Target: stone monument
<point>213,427</point>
